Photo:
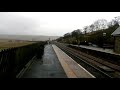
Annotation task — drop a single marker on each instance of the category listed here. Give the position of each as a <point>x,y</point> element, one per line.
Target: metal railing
<point>14,59</point>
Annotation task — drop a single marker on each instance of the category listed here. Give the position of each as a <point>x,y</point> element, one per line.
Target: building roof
<point>116,32</point>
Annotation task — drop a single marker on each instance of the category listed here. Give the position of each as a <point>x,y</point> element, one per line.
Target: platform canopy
<point>116,32</point>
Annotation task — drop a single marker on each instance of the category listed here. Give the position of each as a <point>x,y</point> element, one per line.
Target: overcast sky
<point>49,23</point>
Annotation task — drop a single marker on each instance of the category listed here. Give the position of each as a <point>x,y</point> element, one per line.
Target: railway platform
<point>55,64</point>
<point>71,67</point>
<point>99,49</point>
<point>47,67</point>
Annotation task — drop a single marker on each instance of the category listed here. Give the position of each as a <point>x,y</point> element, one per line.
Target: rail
<point>97,69</point>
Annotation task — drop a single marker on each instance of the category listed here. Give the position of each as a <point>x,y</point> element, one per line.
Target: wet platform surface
<point>49,68</point>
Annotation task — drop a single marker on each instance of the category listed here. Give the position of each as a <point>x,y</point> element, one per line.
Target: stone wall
<point>117,44</point>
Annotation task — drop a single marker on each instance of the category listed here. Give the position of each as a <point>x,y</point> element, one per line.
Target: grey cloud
<point>14,24</point>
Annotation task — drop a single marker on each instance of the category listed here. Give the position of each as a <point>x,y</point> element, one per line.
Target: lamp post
<point>104,34</point>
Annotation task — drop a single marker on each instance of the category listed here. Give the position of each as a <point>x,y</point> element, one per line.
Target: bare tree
<point>92,28</point>
<point>100,24</point>
<point>117,19</point>
<point>67,35</point>
<point>86,29</point>
<point>76,34</point>
<point>114,21</point>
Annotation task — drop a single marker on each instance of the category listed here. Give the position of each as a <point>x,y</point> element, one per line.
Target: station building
<point>116,35</point>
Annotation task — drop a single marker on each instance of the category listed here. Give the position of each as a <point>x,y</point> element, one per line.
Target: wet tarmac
<point>48,67</point>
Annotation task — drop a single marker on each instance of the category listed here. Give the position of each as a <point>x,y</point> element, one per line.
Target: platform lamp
<point>104,34</point>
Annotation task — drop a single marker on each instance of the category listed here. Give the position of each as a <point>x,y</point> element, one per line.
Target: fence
<point>14,59</point>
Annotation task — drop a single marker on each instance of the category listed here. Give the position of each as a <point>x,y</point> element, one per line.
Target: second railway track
<point>98,69</point>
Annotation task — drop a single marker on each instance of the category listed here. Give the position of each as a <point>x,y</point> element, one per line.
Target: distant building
<point>116,35</point>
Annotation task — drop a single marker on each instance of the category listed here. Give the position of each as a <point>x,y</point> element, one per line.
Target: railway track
<point>92,64</point>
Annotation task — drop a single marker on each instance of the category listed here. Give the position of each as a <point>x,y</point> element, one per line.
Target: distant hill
<point>29,37</point>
